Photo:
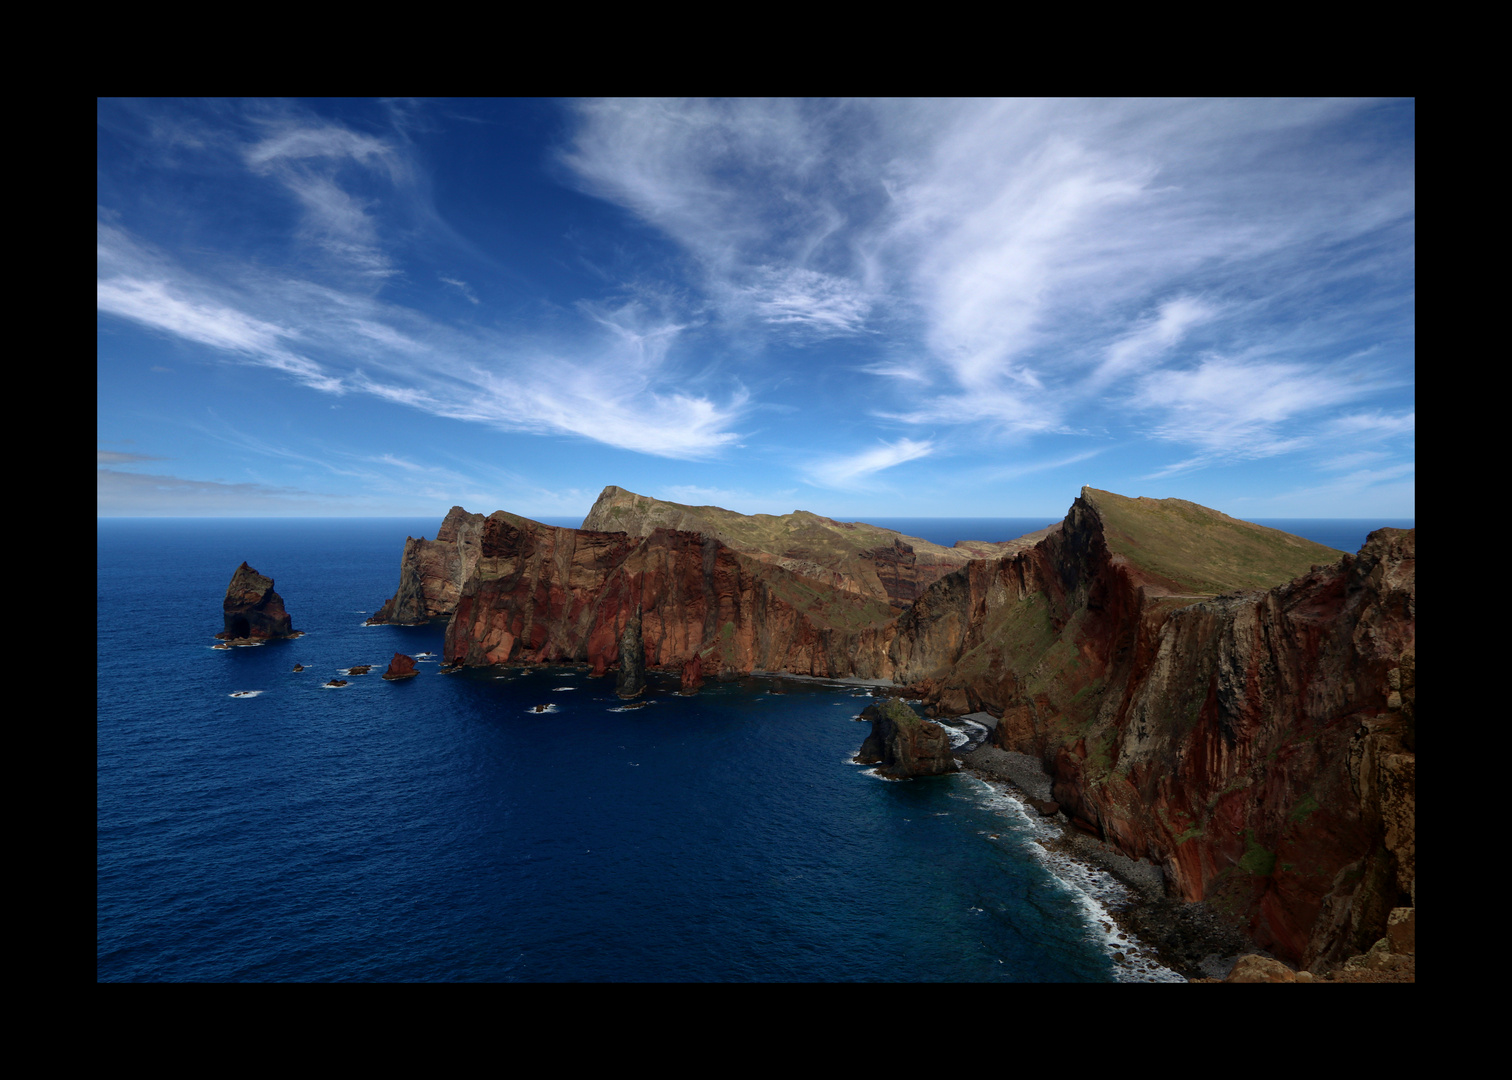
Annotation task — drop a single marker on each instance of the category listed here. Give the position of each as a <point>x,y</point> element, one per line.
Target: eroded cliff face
<point>432,572</point>
<point>1261,753</point>
<point>540,594</point>
<point>1257,744</point>
<point>1232,703</point>
<point>851,557</point>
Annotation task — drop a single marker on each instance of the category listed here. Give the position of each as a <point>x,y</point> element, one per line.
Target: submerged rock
<point>253,611</point>
<point>904,744</point>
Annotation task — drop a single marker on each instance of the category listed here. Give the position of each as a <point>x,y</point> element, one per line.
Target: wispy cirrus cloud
<point>612,386</point>
<point>1038,255</point>
<point>854,471</point>
<point>1234,410</point>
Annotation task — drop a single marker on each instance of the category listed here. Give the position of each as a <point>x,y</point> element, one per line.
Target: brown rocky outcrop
<point>852,557</point>
<point>1255,743</point>
<point>432,572</point>
<point>401,667</point>
<point>541,594</point>
<point>632,659</point>
<point>692,674</point>
<point>1232,703</point>
<point>252,611</point>
<point>904,745</point>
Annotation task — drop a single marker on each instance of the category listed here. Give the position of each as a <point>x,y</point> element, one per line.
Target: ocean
<point>253,825</point>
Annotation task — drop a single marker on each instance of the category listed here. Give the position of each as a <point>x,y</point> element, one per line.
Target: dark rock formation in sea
<point>632,659</point>
<point>432,572</point>
<point>692,674</point>
<point>902,744</point>
<point>1233,703</point>
<point>252,611</point>
<point>401,667</point>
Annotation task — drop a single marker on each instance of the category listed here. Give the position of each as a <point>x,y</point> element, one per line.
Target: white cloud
<point>615,387</point>
<point>1038,253</point>
<point>1236,410</point>
<point>854,470</point>
<point>463,287</point>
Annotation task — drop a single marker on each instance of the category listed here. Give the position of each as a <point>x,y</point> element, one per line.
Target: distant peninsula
<point>1232,703</point>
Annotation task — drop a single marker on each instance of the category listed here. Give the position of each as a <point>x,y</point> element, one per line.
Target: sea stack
<point>401,667</point>
<point>253,611</point>
<point>692,674</point>
<point>632,657</point>
<point>904,744</point>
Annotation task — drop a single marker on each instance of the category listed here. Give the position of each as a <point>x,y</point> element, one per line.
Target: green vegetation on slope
<point>798,535</point>
<point>1202,550</point>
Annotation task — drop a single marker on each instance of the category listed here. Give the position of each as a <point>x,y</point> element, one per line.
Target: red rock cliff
<point>541,594</point>
<point>432,572</point>
<point>1201,697</point>
<point>1256,744</point>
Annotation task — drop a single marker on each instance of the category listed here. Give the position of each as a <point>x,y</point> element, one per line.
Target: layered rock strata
<point>1227,701</point>
<point>432,572</point>
<point>852,557</point>
<point>252,611</point>
<point>540,594</point>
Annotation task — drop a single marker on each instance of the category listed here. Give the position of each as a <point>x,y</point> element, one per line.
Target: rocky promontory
<point>432,572</point>
<point>904,745</point>
<point>252,611</point>
<point>1232,704</point>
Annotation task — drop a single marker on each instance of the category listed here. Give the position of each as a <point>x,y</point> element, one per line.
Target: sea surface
<point>254,825</point>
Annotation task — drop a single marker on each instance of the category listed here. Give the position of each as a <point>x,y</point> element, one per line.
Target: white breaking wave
<point>1092,890</point>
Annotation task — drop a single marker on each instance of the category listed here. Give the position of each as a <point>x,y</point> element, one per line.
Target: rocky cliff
<point>540,594</point>
<point>1256,743</point>
<point>252,611</point>
<point>849,556</point>
<point>432,572</point>
<point>1231,702</point>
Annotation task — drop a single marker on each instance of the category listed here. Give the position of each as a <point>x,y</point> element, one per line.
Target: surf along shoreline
<point>1191,939</point>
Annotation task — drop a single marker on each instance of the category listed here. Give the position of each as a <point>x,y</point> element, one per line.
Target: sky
<point>867,309</point>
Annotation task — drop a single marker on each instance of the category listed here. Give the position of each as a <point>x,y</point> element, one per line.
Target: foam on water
<point>1094,891</point>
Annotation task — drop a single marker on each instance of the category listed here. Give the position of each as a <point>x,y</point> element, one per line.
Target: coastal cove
<point>439,829</point>
<point>524,823</point>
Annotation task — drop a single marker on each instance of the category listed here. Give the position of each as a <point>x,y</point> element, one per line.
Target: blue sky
<point>860,308</point>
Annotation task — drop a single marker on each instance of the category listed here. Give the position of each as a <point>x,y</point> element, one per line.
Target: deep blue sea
<point>439,829</point>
